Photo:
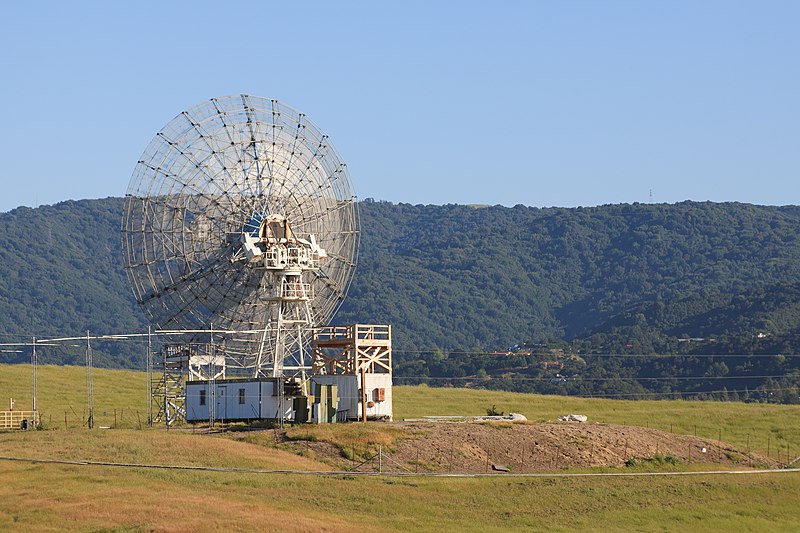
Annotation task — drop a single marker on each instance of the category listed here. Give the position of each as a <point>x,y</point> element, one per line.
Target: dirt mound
<point>528,447</point>
<point>469,447</point>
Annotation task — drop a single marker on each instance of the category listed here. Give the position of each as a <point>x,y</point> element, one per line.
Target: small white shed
<point>378,400</point>
<point>237,399</point>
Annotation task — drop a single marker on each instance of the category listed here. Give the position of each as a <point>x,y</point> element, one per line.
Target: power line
<point>41,341</point>
<point>584,355</point>
<point>55,341</point>
<point>579,378</point>
<point>680,393</point>
<point>662,395</point>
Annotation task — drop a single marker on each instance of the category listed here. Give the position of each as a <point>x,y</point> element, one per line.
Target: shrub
<point>492,411</point>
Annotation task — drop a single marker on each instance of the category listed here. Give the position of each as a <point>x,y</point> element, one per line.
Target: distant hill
<point>461,277</point>
<point>467,278</point>
<point>763,320</point>
<point>61,274</point>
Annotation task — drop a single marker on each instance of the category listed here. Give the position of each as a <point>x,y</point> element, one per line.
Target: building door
<point>222,403</point>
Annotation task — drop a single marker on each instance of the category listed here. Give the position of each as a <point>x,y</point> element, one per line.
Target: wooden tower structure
<point>358,359</point>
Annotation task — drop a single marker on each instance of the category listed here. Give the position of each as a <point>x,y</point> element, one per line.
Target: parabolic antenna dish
<point>214,173</point>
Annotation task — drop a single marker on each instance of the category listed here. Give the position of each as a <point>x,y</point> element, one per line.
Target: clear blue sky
<point>538,103</point>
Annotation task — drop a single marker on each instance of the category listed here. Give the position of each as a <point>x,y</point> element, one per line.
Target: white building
<point>378,399</point>
<point>237,399</point>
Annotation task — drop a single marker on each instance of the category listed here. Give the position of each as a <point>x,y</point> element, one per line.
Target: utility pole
<point>149,364</point>
<point>34,363</point>
<point>363,396</point>
<point>89,382</point>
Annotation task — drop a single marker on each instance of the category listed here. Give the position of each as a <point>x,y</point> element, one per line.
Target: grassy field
<point>46,497</point>
<point>766,428</point>
<point>61,393</point>
<point>60,497</point>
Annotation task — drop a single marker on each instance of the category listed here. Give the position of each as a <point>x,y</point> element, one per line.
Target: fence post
<point>749,457</point>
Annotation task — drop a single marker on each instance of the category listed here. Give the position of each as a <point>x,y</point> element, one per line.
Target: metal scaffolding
<point>178,364</point>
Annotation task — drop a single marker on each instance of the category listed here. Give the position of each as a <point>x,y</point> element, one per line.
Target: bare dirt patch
<point>530,447</point>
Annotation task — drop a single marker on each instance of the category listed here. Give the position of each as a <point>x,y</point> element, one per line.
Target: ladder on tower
<point>169,386</point>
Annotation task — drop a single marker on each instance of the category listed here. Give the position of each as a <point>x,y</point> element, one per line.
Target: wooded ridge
<point>689,278</point>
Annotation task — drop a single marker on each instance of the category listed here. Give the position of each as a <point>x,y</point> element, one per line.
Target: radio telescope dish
<point>239,217</point>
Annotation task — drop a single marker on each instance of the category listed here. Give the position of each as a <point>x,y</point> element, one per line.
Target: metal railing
<point>353,331</point>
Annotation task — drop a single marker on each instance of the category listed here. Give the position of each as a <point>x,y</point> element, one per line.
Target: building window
<point>241,396</point>
<point>202,397</point>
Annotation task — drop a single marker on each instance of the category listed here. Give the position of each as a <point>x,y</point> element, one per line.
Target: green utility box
<point>300,406</point>
<point>326,403</point>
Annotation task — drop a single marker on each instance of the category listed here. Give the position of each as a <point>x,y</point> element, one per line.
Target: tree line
<point>454,279</point>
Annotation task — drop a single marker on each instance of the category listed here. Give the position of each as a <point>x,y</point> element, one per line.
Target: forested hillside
<point>618,279</point>
<point>763,320</point>
<point>61,275</point>
<point>457,277</point>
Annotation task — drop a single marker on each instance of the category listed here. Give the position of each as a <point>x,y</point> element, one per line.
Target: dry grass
<point>149,447</point>
<point>36,497</point>
<point>52,497</point>
<point>71,498</point>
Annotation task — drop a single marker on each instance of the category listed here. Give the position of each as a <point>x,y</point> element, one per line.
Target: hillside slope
<point>762,320</point>
<point>460,278</point>
<point>61,274</point>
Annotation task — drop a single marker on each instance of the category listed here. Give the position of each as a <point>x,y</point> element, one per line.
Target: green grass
<point>62,393</point>
<point>357,442</point>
